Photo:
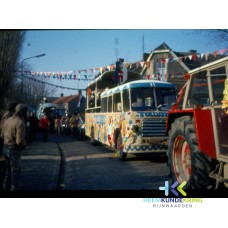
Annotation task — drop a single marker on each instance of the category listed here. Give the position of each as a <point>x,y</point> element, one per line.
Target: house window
<point>160,70</point>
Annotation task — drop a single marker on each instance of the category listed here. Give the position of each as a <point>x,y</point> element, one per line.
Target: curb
<point>60,185</point>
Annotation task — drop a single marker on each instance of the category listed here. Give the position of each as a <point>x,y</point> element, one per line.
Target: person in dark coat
<point>10,109</point>
<point>13,132</point>
<point>34,124</point>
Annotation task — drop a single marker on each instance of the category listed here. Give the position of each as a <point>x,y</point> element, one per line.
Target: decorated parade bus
<point>129,116</point>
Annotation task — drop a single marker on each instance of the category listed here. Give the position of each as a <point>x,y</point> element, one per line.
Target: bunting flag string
<point>57,75</point>
<point>91,74</point>
<point>50,84</point>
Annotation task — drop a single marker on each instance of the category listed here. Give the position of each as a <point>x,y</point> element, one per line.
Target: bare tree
<point>214,35</point>
<point>33,90</point>
<point>10,46</point>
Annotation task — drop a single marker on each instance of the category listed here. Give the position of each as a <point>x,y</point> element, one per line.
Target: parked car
<point>45,108</point>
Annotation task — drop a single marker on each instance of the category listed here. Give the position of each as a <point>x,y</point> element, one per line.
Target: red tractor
<point>198,129</point>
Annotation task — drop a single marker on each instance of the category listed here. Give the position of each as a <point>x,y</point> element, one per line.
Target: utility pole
<point>143,47</point>
<point>116,47</point>
<point>22,67</point>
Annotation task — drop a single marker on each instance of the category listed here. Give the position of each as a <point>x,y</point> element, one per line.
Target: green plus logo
<point>166,188</point>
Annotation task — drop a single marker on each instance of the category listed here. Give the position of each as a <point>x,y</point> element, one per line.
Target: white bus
<point>130,117</point>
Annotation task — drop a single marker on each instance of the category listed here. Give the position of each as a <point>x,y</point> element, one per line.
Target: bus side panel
<point>104,126</point>
<point>98,122</point>
<point>88,124</point>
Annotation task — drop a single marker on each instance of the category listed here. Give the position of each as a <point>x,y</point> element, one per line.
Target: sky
<point>72,50</point>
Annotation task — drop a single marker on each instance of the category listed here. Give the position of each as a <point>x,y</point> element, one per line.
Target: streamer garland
<point>91,74</point>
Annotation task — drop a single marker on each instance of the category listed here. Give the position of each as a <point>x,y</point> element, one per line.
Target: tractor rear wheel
<point>185,161</point>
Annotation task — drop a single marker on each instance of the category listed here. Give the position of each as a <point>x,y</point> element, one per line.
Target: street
<point>66,164</point>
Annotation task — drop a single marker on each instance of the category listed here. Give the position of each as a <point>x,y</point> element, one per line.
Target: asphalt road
<point>69,165</point>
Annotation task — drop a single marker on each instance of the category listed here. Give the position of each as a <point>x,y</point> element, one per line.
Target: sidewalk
<point>41,164</point>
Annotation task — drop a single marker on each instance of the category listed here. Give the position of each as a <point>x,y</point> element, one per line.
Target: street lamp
<point>22,67</point>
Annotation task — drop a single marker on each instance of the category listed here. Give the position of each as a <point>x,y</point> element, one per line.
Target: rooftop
<point>65,99</point>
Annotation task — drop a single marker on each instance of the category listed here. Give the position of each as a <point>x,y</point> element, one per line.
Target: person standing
<point>33,126</point>
<point>13,133</point>
<point>44,126</point>
<point>63,125</point>
<point>57,125</point>
<point>10,109</point>
<point>67,126</point>
<point>72,126</point>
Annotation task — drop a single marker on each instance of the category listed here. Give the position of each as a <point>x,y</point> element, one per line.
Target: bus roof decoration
<point>120,74</point>
<point>116,74</point>
<point>108,80</point>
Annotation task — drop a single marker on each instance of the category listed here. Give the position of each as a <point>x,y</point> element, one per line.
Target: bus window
<point>126,101</point>
<point>92,100</point>
<point>142,99</point>
<point>110,104</point>
<point>117,102</point>
<point>104,107</point>
<point>98,99</point>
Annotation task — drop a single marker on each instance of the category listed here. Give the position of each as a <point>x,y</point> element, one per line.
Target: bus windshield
<point>143,99</point>
<point>166,97</point>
